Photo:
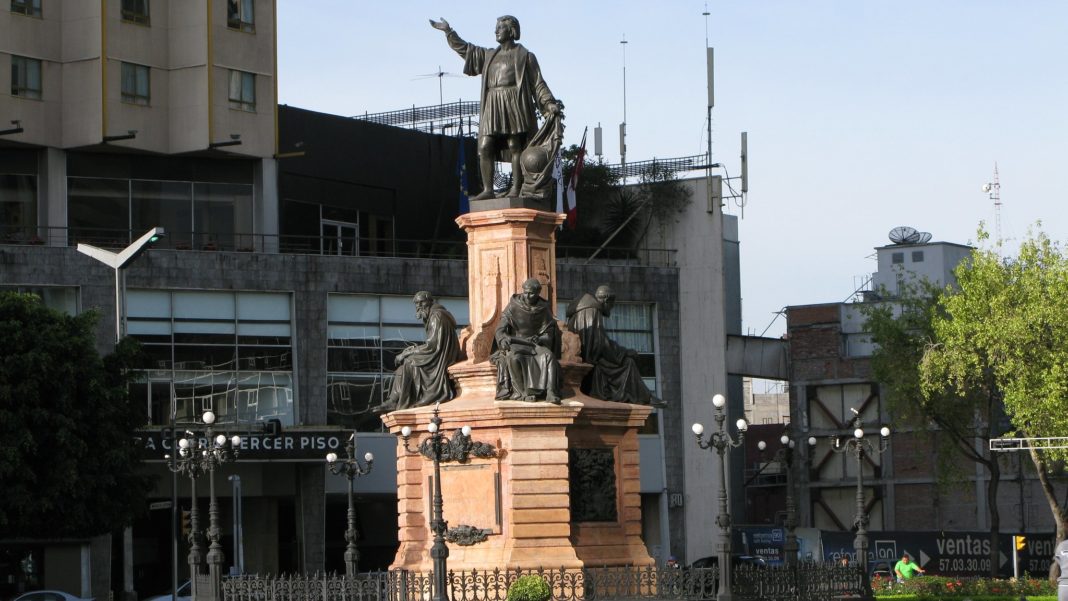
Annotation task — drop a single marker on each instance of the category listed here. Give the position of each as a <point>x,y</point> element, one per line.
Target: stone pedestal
<point>523,497</point>
<point>563,490</point>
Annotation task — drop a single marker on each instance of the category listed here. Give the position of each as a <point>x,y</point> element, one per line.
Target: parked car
<point>881,569</point>
<point>184,591</point>
<point>49,596</point>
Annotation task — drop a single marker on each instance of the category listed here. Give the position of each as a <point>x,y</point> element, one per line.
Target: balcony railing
<point>116,239</point>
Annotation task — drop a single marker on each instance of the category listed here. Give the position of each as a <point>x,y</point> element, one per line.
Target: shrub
<point>529,588</point>
<point>934,587</point>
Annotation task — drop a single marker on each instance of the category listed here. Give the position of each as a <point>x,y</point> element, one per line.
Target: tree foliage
<point>68,454</point>
<point>903,329</point>
<point>607,208</point>
<point>1007,329</point>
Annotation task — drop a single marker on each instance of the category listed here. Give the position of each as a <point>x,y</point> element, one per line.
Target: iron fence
<point>806,582</point>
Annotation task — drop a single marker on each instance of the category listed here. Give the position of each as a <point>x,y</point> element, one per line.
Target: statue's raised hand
<point>442,24</point>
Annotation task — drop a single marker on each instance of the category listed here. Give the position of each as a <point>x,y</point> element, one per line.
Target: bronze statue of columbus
<point>512,86</point>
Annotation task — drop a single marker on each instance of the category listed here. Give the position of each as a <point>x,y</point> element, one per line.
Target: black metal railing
<point>584,584</point>
<point>117,239</point>
<point>806,582</point>
<point>425,118</point>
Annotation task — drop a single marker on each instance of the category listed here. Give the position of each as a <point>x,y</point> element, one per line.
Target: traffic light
<point>186,526</point>
<point>1020,542</point>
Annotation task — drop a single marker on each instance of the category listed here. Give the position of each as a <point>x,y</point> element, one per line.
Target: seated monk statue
<point>614,376</point>
<point>421,377</point>
<point>528,348</point>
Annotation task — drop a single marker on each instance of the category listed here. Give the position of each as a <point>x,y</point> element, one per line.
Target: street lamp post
<point>859,447</point>
<point>197,456</point>
<point>440,449</point>
<point>118,261</point>
<point>721,441</point>
<point>784,456</point>
<point>351,468</point>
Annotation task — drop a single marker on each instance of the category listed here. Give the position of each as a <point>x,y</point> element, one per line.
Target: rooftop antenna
<point>623,126</point>
<point>439,74</point>
<point>711,102</point>
<point>706,13</point>
<point>994,190</point>
<point>597,149</point>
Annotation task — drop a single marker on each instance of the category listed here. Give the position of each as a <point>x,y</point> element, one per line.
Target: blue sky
<point>862,114</point>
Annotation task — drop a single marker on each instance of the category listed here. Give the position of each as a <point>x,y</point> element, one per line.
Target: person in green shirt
<point>905,569</point>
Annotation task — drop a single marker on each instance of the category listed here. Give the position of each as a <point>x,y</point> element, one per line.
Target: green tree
<point>69,458</point>
<point>1008,325</point>
<point>903,330</point>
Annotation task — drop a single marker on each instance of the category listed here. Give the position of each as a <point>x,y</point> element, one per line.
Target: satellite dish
<point>986,187</point>
<point>925,237</point>
<point>904,234</point>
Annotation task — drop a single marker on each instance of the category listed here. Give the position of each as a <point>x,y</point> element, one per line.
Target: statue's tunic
<point>530,370</point>
<point>422,379</point>
<point>512,86</point>
<point>615,375</point>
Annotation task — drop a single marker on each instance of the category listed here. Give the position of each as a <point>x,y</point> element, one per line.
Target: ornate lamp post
<point>720,441</point>
<point>784,456</point>
<point>439,449</point>
<point>351,468</point>
<point>859,447</point>
<point>195,457</point>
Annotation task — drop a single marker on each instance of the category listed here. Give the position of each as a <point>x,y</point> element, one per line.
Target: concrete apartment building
<point>283,288</point>
<point>107,88</point>
<point>830,373</point>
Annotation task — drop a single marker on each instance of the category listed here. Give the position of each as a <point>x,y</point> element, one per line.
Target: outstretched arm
<point>473,55</point>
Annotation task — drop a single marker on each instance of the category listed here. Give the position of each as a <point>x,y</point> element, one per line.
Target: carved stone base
<point>505,247</point>
<point>523,496</point>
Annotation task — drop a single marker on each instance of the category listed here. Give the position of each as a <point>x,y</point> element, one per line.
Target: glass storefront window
<point>98,211</point>
<point>196,215</point>
<point>224,351</point>
<point>221,211</point>
<point>18,208</point>
<point>165,204</point>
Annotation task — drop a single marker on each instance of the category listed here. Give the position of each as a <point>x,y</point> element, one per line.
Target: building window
<point>60,298</point>
<point>897,258</point>
<point>631,325</point>
<point>26,7</point>
<point>135,11</point>
<point>227,352</point>
<point>364,334</point>
<point>25,77</point>
<point>135,83</point>
<point>196,215</point>
<point>239,15</point>
<point>18,209</point>
<point>917,256</point>
<point>242,90</point>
